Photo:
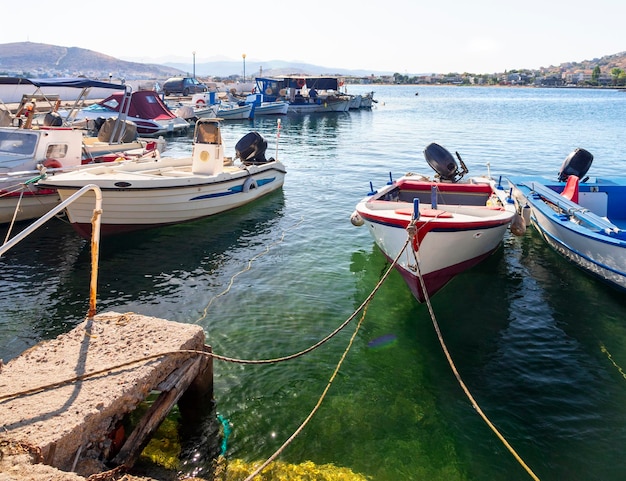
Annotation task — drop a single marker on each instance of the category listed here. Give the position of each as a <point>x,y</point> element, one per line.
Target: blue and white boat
<point>305,94</point>
<point>582,218</point>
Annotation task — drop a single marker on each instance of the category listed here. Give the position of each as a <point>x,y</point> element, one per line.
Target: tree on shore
<point>617,74</point>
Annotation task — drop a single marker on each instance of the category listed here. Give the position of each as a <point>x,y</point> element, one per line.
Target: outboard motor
<point>577,163</point>
<point>53,119</point>
<point>251,149</point>
<point>442,162</point>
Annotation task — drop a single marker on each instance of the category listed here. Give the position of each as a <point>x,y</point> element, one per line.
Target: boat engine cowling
<point>442,162</point>
<point>53,119</point>
<point>251,149</point>
<point>577,163</point>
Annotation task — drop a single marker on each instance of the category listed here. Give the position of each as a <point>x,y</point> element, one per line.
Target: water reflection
<point>160,272</point>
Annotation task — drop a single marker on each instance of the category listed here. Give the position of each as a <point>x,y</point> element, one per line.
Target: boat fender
<point>52,164</point>
<point>356,219</point>
<point>526,214</point>
<point>249,184</point>
<point>518,226</point>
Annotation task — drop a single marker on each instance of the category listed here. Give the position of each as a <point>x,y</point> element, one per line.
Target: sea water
<point>540,345</point>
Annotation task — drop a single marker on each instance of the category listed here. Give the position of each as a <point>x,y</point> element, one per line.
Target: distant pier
<point>63,400</point>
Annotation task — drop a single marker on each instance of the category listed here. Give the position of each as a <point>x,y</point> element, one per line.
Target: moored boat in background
<point>144,107</point>
<point>305,94</point>
<point>26,155</point>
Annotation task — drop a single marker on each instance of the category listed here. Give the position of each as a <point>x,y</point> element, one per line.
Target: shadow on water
<point>32,272</point>
<point>46,277</point>
<point>154,272</point>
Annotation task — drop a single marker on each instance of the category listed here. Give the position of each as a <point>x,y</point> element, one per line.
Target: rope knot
<point>411,229</point>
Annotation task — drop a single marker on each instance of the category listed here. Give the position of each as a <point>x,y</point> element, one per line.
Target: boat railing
<point>95,236</point>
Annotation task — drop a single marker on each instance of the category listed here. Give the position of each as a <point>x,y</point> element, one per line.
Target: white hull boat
<point>141,195</point>
<point>581,218</point>
<point>271,108</point>
<point>436,228</point>
<point>229,111</point>
<point>26,155</point>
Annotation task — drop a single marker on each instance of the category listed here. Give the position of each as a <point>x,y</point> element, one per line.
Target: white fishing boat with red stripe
<point>436,229</point>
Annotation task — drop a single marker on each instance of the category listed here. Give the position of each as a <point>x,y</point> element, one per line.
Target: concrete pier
<point>62,400</point>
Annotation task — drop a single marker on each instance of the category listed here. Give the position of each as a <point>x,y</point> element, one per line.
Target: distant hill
<point>606,63</point>
<point>41,60</point>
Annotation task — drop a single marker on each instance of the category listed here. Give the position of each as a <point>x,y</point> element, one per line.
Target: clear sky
<point>404,36</point>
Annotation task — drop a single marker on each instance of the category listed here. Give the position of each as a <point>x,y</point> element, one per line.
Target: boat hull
<point>271,108</point>
<point>32,205</point>
<point>143,201</point>
<point>598,253</point>
<point>443,254</point>
<point>235,113</point>
<point>448,239</point>
<point>339,105</point>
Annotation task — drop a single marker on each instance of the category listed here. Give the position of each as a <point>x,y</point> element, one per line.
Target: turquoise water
<point>539,344</point>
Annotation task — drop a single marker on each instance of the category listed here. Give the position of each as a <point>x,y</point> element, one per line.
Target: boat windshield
<point>208,133</point>
<point>18,142</point>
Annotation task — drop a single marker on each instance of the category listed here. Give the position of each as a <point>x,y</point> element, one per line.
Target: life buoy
<point>300,82</point>
<point>200,103</point>
<point>249,184</point>
<point>52,164</point>
<point>268,91</point>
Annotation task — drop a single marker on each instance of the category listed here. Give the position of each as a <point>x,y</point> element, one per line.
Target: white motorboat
<point>27,154</point>
<point>436,229</point>
<point>143,194</point>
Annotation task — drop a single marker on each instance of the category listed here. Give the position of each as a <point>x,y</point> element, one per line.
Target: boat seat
<point>570,192</point>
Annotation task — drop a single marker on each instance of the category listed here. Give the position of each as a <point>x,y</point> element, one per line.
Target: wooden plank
<point>175,386</point>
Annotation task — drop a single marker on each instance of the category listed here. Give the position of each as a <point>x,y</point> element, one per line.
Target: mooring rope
<point>317,405</point>
<point>411,233</point>
<point>18,188</point>
<point>57,384</point>
<point>604,350</point>
<point>247,268</point>
<point>12,223</point>
<point>362,307</point>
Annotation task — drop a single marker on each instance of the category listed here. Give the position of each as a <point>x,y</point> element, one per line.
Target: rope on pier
<point>362,308</point>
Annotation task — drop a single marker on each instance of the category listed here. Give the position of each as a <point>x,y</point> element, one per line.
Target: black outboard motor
<point>442,162</point>
<point>251,149</point>
<point>53,119</point>
<point>577,163</point>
